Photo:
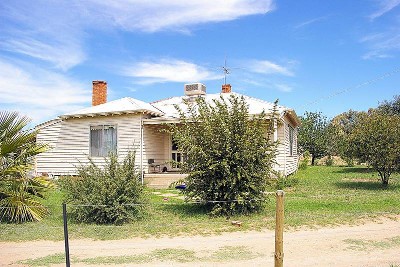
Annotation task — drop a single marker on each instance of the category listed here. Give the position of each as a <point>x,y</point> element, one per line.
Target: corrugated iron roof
<point>119,106</point>
<point>256,106</point>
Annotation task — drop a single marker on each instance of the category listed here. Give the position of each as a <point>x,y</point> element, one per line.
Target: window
<point>176,155</point>
<point>291,140</point>
<point>103,140</point>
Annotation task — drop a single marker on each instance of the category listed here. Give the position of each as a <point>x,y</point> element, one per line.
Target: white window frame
<point>103,150</point>
<point>177,154</point>
<point>291,140</point>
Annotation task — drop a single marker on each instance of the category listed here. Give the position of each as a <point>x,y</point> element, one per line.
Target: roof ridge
<point>164,99</point>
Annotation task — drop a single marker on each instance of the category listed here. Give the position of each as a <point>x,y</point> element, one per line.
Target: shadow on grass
<point>187,209</point>
<point>367,185</point>
<point>354,170</point>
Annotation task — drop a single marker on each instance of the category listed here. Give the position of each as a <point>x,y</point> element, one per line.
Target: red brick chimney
<point>99,93</point>
<point>226,88</point>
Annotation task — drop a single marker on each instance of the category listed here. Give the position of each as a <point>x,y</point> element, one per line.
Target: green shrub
<point>306,160</point>
<point>283,182</point>
<point>349,161</point>
<point>105,195</point>
<point>329,161</point>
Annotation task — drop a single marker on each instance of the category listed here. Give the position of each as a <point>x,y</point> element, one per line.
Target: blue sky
<point>327,56</point>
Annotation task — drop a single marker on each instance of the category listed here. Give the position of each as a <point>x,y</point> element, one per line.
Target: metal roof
<point>164,110</point>
<point>124,105</point>
<point>256,106</point>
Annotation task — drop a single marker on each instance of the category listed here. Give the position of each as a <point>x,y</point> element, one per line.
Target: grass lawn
<point>322,196</point>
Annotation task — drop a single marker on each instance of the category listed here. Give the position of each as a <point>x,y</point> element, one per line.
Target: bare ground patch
<point>370,244</point>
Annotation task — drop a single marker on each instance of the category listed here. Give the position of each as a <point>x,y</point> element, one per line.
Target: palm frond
<point>19,199</point>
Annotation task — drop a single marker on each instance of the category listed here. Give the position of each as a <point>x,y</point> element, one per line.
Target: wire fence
<point>176,235</point>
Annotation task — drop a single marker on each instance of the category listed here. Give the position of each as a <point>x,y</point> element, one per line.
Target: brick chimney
<point>226,88</point>
<point>99,93</point>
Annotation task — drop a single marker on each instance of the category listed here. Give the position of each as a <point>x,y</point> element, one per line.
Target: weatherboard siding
<point>286,163</point>
<point>69,141</point>
<point>155,146</point>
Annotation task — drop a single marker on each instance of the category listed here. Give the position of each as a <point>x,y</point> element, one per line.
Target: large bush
<point>112,194</point>
<point>228,154</point>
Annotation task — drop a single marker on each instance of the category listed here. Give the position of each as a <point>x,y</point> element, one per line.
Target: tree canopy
<point>390,107</point>
<point>229,154</point>
<point>313,134</point>
<point>342,126</point>
<point>376,140</point>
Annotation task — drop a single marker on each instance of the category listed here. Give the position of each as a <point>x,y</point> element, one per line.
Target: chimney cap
<point>98,81</point>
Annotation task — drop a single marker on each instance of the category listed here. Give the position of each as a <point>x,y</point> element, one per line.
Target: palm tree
<point>19,193</point>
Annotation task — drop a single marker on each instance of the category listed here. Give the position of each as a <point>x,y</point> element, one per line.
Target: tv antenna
<point>226,70</point>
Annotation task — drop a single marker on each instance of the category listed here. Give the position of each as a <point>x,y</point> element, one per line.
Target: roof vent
<point>195,89</point>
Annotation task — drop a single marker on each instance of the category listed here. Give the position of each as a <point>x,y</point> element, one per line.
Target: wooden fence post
<point>279,229</point>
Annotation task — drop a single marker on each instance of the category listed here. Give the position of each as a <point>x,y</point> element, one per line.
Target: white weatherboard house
<point>130,124</point>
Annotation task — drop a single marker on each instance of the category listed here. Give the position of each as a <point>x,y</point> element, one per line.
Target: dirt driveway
<point>370,244</point>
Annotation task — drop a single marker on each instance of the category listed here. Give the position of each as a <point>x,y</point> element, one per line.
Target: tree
<point>376,139</point>
<point>342,126</point>
<point>228,154</point>
<point>390,107</point>
<point>313,134</point>
<point>19,194</point>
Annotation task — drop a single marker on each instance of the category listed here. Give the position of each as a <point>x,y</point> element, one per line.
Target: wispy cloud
<point>55,31</point>
<point>283,87</point>
<point>382,45</point>
<point>309,22</point>
<point>45,30</point>
<point>62,54</point>
<point>151,16</point>
<point>263,83</point>
<point>168,70</point>
<point>384,7</point>
<point>39,98</point>
<point>268,67</point>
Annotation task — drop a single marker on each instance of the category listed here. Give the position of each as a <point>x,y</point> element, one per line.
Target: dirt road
<point>370,244</point>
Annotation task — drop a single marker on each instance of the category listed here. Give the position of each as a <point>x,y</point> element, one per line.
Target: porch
<point>162,180</point>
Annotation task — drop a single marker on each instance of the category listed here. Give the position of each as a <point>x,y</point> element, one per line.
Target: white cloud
<point>384,7</point>
<point>267,67</point>
<point>266,83</point>
<point>168,70</point>
<point>308,22</point>
<point>45,30</point>
<point>63,55</point>
<point>54,31</point>
<point>284,87</point>
<point>382,45</point>
<point>38,93</point>
<point>156,15</point>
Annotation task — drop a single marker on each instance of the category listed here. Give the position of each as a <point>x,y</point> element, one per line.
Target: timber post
<point>279,228</point>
